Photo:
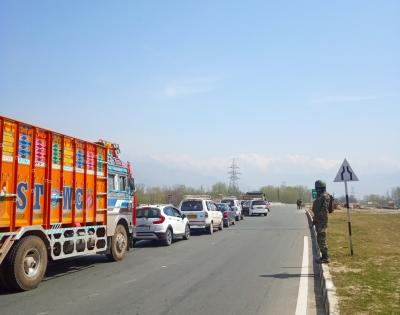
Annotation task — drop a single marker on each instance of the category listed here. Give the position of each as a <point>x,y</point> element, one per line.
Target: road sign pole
<point>348,217</point>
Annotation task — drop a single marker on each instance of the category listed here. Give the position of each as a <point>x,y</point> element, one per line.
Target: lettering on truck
<point>38,192</point>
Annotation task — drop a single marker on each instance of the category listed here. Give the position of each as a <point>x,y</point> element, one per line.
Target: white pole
<point>348,218</point>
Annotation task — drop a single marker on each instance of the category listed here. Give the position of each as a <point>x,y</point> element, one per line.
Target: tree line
<point>392,195</point>
<point>174,194</point>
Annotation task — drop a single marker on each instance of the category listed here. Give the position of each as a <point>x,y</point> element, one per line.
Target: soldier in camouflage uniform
<point>321,209</point>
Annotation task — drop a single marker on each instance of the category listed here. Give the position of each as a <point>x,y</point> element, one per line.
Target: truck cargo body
<point>70,194</point>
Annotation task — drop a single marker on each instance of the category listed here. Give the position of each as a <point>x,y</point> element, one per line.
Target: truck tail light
<point>160,220</point>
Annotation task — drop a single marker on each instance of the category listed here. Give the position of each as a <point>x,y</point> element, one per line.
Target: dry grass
<point>368,282</point>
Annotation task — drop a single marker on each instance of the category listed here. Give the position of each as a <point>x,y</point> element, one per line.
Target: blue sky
<point>289,89</point>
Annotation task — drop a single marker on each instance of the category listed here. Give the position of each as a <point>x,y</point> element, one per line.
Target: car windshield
<point>192,205</point>
<point>258,203</point>
<point>149,213</point>
<point>228,201</point>
<point>222,207</point>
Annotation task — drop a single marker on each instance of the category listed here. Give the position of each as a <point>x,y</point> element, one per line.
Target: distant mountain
<point>154,173</point>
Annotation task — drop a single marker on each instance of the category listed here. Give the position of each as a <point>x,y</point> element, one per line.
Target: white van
<point>202,213</point>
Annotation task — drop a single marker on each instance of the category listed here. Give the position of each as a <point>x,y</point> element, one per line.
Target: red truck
<point>60,197</point>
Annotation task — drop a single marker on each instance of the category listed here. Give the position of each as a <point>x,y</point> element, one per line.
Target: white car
<point>202,213</point>
<point>161,222</point>
<point>258,206</point>
<point>235,205</point>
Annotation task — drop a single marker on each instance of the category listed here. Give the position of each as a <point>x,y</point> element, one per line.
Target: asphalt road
<point>251,268</point>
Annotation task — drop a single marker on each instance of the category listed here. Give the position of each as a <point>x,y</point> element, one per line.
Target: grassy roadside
<point>368,282</point>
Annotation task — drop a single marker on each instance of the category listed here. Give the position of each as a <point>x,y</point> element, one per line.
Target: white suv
<point>258,206</point>
<point>161,222</point>
<point>235,206</point>
<point>202,213</point>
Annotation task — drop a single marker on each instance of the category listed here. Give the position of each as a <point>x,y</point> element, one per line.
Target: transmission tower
<point>234,174</point>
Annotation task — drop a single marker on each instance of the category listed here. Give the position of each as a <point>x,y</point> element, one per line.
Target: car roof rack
<point>202,197</point>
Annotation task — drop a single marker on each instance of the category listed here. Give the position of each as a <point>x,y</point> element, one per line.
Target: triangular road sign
<point>346,173</point>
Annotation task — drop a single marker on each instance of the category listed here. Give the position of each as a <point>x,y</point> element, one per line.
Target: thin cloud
<point>341,99</point>
<point>250,161</point>
<point>189,162</point>
<point>181,90</point>
<point>189,87</point>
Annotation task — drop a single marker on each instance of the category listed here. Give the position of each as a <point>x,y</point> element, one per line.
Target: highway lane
<point>251,268</point>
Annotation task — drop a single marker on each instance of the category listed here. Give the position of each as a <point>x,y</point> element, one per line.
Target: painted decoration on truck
<point>100,164</point>
<point>56,153</point>
<point>89,198</point>
<point>68,155</point>
<point>90,160</point>
<point>25,145</point>
<point>40,149</point>
<point>80,158</point>
<point>8,142</point>
<point>55,197</point>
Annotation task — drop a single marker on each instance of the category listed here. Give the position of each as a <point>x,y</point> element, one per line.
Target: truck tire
<point>3,280</point>
<point>119,244</point>
<point>25,265</point>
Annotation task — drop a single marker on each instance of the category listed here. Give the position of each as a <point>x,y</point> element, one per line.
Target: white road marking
<point>301,308</point>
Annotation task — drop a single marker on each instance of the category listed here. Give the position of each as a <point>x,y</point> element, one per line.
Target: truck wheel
<point>168,237</point>
<point>119,244</point>
<point>26,264</point>
<point>3,280</point>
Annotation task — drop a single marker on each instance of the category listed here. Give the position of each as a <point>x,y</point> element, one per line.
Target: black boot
<point>322,260</point>
<point>325,259</point>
